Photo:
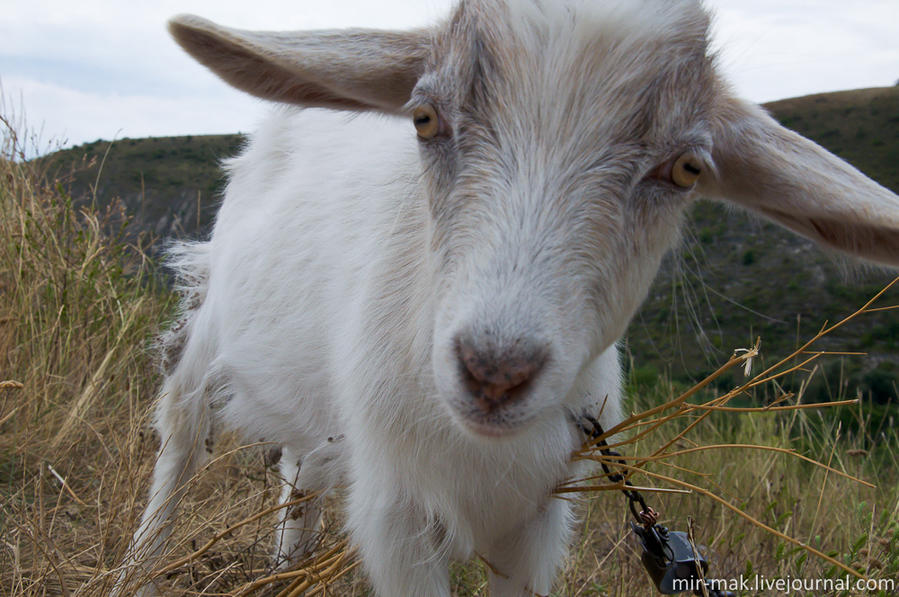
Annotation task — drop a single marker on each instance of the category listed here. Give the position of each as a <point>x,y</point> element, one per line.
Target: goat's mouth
<point>494,424</point>
<point>490,430</point>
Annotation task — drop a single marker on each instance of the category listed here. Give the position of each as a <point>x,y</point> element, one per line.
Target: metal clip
<point>668,556</point>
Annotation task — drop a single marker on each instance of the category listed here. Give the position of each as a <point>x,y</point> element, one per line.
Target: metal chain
<point>646,515</point>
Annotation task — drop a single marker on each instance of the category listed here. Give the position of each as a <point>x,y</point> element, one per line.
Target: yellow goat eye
<point>686,170</point>
<point>427,122</point>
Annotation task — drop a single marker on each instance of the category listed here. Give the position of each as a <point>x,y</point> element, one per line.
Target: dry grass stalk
<point>228,531</point>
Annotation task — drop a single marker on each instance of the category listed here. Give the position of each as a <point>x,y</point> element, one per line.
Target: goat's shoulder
<point>302,166</point>
<point>316,198</point>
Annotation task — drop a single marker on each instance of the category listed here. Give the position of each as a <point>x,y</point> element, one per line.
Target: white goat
<point>445,300</point>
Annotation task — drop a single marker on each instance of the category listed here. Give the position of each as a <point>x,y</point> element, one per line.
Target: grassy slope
<point>75,456</point>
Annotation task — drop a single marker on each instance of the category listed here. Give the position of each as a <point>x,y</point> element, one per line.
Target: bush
<point>882,383</point>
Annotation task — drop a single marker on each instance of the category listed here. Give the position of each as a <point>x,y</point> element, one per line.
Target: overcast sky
<point>107,69</point>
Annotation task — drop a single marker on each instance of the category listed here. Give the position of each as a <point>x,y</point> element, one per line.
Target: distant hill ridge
<point>735,277</point>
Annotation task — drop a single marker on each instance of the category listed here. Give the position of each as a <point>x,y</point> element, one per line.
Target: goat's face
<point>558,161</point>
<point>560,143</point>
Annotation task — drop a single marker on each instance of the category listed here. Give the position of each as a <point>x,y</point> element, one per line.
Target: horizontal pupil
<point>423,120</point>
<point>691,169</point>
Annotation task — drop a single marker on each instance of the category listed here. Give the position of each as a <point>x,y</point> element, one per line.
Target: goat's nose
<point>497,376</point>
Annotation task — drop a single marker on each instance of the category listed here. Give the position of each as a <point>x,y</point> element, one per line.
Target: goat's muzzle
<point>498,376</point>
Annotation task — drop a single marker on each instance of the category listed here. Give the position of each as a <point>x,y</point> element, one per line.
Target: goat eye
<point>427,122</point>
<point>686,170</point>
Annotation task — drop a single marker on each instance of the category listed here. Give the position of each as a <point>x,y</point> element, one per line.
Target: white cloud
<point>65,116</point>
<point>773,49</point>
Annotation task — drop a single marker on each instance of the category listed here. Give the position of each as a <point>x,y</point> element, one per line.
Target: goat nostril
<point>497,377</point>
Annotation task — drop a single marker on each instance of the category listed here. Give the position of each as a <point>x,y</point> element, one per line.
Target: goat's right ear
<point>800,185</point>
<point>353,69</point>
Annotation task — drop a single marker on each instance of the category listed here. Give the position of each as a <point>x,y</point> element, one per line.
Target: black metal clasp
<point>672,563</point>
<point>668,556</point>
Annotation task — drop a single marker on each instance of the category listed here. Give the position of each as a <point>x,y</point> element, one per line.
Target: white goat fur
<point>348,257</point>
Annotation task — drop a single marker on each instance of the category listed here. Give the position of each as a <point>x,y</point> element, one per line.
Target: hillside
<point>170,186</point>
<point>735,278</point>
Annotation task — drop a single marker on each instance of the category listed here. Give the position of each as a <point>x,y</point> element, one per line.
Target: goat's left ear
<point>798,184</point>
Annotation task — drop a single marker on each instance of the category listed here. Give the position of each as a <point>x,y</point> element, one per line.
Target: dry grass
<point>74,316</point>
<point>78,311</point>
